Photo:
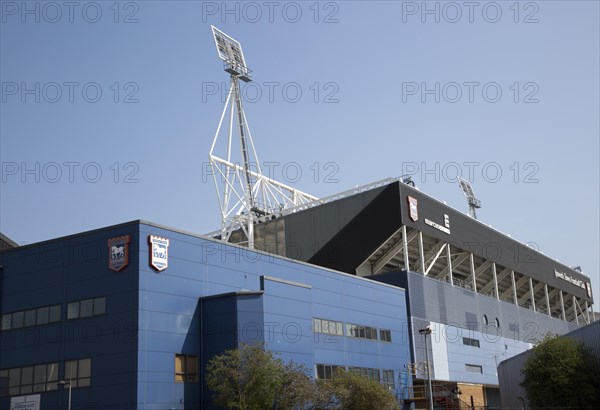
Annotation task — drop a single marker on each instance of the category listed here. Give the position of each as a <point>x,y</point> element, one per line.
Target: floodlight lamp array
<point>230,51</point>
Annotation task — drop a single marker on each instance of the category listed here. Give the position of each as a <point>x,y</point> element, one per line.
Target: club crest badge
<point>118,252</point>
<point>412,206</point>
<point>159,252</point>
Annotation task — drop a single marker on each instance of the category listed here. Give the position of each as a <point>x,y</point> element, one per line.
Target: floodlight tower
<point>245,195</point>
<point>472,200</point>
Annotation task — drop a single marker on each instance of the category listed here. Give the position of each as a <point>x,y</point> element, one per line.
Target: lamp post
<point>67,383</point>
<point>427,331</point>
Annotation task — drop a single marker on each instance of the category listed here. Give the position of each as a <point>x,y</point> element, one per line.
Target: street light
<point>67,383</point>
<point>427,331</point>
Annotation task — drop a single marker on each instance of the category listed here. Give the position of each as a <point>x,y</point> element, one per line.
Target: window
<point>388,379</point>
<point>78,372</point>
<point>372,374</point>
<point>485,320</point>
<point>42,315</point>
<point>470,342</point>
<point>328,327</point>
<point>86,308</point>
<point>361,332</point>
<point>327,371</point>
<point>385,335</point>
<point>186,368</point>
<point>31,317</point>
<point>28,379</point>
<point>6,321</point>
<point>497,323</point>
<point>473,368</point>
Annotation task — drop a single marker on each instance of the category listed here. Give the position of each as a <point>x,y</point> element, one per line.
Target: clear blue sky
<point>370,61</point>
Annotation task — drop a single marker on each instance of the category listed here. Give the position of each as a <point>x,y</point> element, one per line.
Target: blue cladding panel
<point>63,271</point>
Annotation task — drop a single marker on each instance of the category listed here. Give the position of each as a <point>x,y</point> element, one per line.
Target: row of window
<point>327,372</point>
<point>52,314</point>
<point>332,327</point>
<point>44,377</point>
<point>31,317</point>
<point>86,308</point>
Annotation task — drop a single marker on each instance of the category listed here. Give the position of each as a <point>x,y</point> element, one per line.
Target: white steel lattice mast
<point>244,193</point>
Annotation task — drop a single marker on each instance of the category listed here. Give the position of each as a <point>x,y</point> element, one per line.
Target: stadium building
<point>128,316</point>
<point>485,296</point>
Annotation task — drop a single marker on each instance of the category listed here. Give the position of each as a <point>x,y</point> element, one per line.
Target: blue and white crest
<point>159,252</point>
<point>118,252</point>
<point>413,211</point>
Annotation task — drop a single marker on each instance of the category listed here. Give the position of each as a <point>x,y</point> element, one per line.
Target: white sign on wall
<point>31,402</point>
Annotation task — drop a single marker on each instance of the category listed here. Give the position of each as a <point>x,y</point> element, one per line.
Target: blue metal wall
<point>200,267</point>
<point>63,271</point>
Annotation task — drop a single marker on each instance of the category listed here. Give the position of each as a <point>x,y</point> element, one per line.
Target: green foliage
<point>561,373</point>
<point>353,391</point>
<point>251,378</point>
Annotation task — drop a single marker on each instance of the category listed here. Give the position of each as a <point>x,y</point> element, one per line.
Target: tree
<point>560,372</point>
<point>250,377</point>
<point>348,390</point>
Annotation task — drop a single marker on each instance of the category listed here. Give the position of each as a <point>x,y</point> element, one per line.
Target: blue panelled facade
<point>140,337</point>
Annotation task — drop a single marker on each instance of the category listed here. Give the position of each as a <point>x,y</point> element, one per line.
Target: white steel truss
<point>410,249</point>
<point>244,193</point>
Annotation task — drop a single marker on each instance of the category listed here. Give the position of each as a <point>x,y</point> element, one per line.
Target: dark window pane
<point>52,372</point>
<point>30,318</point>
<point>42,315</point>
<point>71,370</point>
<point>27,389</point>
<point>84,382</point>
<point>27,375</point>
<point>320,371</point>
<point>86,308</point>
<point>73,310</point>
<point>40,374</point>
<point>99,306</point>
<point>6,321</point>
<point>17,320</point>
<point>55,313</point>
<point>85,368</point>
<point>328,372</point>
<point>15,377</point>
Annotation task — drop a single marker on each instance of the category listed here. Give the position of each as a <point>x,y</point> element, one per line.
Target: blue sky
<point>108,109</point>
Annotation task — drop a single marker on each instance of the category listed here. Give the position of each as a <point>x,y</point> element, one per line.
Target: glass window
<point>179,367</point>
<point>86,308</point>
<point>30,318</point>
<point>42,315</point>
<point>388,379</point>
<point>55,313</point>
<point>485,320</point>
<point>99,306</point>
<point>39,379</point>
<point>14,381</point>
<point>73,310</point>
<point>320,371</point>
<point>385,335</point>
<point>317,325</point>
<point>473,368</point>
<point>6,321</point>
<point>17,320</point>
<point>470,342</point>
<point>52,376</point>
<point>26,380</point>
<point>186,368</point>
<point>497,323</point>
<point>3,383</point>
<point>71,372</point>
